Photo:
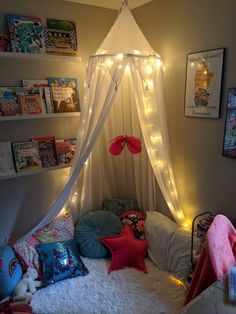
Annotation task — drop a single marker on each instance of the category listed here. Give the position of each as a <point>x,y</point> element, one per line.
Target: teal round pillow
<point>91,228</point>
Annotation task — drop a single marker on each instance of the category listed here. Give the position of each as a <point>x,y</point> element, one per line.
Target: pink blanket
<point>218,256</point>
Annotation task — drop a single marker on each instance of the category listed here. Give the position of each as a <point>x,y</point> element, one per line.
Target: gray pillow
<point>169,246</point>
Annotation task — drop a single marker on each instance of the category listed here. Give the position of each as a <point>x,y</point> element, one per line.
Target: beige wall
<point>205,179</point>
<point>24,200</point>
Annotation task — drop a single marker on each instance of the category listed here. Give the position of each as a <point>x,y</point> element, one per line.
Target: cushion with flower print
<point>136,221</point>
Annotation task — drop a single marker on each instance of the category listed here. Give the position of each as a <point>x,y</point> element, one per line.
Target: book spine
<point>49,105</point>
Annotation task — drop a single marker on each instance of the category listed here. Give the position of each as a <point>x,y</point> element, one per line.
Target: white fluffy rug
<point>125,291</point>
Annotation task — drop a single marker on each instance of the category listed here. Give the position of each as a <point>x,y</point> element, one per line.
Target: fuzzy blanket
<point>125,291</point>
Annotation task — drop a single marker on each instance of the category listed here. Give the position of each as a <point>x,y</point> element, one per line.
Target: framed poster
<point>229,147</point>
<point>203,83</point>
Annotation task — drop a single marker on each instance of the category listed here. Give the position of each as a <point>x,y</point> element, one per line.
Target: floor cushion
<point>93,226</point>
<point>136,220</point>
<point>127,251</point>
<point>10,271</point>
<point>118,206</point>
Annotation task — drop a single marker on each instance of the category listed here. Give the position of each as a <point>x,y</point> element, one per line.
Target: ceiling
<point>111,4</point>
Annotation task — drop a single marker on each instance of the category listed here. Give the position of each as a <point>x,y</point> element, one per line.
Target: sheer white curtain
<point>124,176</point>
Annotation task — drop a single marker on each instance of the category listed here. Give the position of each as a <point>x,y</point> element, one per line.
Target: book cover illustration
<point>5,45</point>
<point>60,37</point>
<point>9,102</point>
<point>6,159</point>
<point>47,151</point>
<point>26,33</point>
<point>65,94</point>
<point>64,152</point>
<point>30,104</point>
<point>26,155</point>
<point>72,142</point>
<point>41,87</point>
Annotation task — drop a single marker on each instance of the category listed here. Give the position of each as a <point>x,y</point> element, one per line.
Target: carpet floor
<point>125,291</point>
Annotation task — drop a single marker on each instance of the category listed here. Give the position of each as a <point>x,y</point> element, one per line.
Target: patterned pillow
<point>60,229</point>
<point>136,220</point>
<point>60,260</point>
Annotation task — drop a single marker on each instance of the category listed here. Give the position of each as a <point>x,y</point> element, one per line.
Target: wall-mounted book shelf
<point>39,56</point>
<point>41,116</point>
<point>32,172</point>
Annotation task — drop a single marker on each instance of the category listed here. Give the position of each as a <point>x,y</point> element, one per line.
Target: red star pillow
<point>127,251</point>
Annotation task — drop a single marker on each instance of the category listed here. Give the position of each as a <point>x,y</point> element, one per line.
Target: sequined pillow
<point>136,220</point>
<point>60,260</point>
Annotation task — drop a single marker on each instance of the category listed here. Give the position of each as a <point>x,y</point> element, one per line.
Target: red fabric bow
<point>118,143</point>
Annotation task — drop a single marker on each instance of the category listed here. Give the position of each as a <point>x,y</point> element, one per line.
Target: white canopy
<point>125,37</point>
<point>124,49</point>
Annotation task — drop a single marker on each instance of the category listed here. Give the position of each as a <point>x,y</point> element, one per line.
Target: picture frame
<point>229,144</point>
<point>204,83</point>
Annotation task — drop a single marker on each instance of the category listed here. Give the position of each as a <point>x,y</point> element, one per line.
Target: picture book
<point>72,142</point>
<point>64,152</point>
<point>65,94</point>
<point>8,100</point>
<point>30,104</point>
<point>61,38</point>
<point>6,159</point>
<point>42,87</point>
<point>26,34</point>
<point>47,151</point>
<point>5,45</point>
<point>26,156</point>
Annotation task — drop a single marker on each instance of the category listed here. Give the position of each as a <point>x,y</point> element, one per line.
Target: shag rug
<point>125,291</point>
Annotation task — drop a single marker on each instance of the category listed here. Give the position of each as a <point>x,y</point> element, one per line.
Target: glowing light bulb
<point>180,215</point>
<point>136,52</point>
<point>148,111</point>
<point>120,56</point>
<point>186,224</point>
<point>192,64</point>
<point>119,67</point>
<point>127,69</point>
<point>159,164</point>
<point>158,62</point>
<point>205,72</point>
<point>148,69</point>
<point>75,193</point>
<point>73,199</point>
<point>109,63</point>
<point>155,139</point>
<point>149,84</point>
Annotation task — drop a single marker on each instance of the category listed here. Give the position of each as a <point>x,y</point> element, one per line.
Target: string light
<point>120,56</point>
<point>109,63</point>
<point>155,139</point>
<point>136,52</point>
<point>149,84</point>
<point>148,69</point>
<point>158,62</point>
<point>127,69</point>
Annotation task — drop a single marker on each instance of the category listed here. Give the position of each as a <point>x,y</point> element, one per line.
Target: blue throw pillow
<point>60,260</point>
<point>94,226</point>
<point>10,271</point>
